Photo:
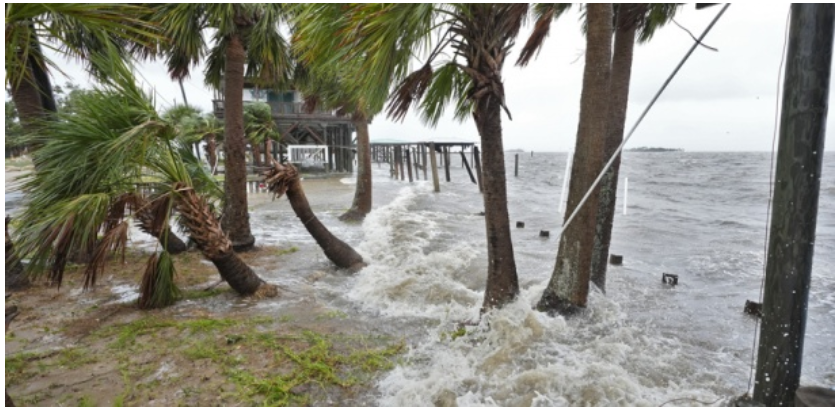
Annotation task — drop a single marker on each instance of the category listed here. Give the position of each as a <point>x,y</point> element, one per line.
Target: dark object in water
<point>669,279</point>
<point>814,397</point>
<point>616,259</point>
<point>481,213</point>
<point>544,233</point>
<point>753,308</point>
<point>520,224</point>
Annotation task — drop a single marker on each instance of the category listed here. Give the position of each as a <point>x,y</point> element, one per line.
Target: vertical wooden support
<point>425,165</point>
<point>390,160</point>
<point>416,162</point>
<point>791,240</point>
<point>446,163</point>
<point>467,166</point>
<point>409,163</point>
<point>516,166</point>
<point>402,170</point>
<point>434,163</point>
<point>478,168</point>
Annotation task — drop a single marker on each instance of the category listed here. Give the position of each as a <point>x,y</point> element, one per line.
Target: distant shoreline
<point>653,150</point>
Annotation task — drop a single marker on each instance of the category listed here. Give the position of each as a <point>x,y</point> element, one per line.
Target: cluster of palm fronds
<point>87,179</point>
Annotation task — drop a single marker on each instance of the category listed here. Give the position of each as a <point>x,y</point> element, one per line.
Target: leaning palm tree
<point>79,30</point>
<point>86,185</point>
<point>246,44</point>
<point>209,130</point>
<point>463,48</point>
<point>284,179</point>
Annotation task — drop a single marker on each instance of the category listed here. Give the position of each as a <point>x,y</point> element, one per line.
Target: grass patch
<point>332,314</point>
<point>221,361</point>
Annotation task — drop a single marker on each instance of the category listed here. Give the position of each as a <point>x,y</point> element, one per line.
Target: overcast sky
<point>719,101</point>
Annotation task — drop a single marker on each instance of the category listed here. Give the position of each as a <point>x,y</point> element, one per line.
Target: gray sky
<point>719,101</point>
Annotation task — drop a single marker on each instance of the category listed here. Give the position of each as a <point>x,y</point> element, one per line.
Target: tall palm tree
<point>246,44</point>
<point>465,47</point>
<point>569,285</point>
<point>643,19</point>
<point>88,169</point>
<point>77,30</point>
<point>333,87</point>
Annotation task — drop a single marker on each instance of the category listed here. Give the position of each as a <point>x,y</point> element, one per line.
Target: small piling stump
<point>615,259</point>
<point>669,279</point>
<point>520,224</point>
<point>544,233</point>
<point>753,308</point>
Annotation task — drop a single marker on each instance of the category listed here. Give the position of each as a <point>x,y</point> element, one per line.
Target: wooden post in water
<point>477,156</point>
<point>516,166</point>
<point>467,166</point>
<point>434,163</point>
<point>409,163</point>
<point>416,160</point>
<point>425,165</point>
<point>791,241</point>
<point>446,163</point>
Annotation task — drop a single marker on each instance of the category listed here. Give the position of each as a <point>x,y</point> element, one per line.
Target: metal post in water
<point>565,180</point>
<point>625,194</point>
<point>791,241</point>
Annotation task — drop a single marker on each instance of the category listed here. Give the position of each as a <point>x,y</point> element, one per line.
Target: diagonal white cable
<point>641,118</point>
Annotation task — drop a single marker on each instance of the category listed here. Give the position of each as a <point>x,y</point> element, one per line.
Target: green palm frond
<point>158,289</point>
<point>77,29</point>
<point>259,124</point>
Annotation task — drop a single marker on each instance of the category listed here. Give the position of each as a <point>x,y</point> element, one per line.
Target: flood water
<point>701,216</point>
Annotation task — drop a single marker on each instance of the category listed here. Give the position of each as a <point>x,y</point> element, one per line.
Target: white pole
<point>625,193</point>
<point>565,180</point>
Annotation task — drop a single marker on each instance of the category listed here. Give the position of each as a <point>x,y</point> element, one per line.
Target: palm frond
<point>158,288</point>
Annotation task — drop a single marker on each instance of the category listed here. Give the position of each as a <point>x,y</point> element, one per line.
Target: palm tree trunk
<point>205,230</point>
<point>211,150</point>
<point>502,280</point>
<point>619,97</point>
<point>15,276</point>
<point>167,238</point>
<point>568,289</point>
<point>362,195</point>
<point>256,154</point>
<point>283,179</point>
<point>235,208</point>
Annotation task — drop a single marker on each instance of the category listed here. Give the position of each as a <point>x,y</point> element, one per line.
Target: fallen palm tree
<point>204,229</point>
<point>284,179</point>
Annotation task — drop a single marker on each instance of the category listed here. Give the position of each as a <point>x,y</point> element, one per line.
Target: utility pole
<point>795,203</point>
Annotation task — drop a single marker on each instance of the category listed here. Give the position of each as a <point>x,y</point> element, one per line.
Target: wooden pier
<point>410,159</point>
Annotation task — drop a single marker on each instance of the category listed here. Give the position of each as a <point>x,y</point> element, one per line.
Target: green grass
<point>260,365</point>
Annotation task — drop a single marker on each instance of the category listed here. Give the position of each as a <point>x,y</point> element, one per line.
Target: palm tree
<point>630,19</point>
<point>284,179</point>
<point>246,44</point>
<point>644,19</point>
<point>467,46</point>
<point>260,129</point>
<point>88,169</point>
<point>569,285</point>
<point>332,88</point>
<point>78,30</point>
